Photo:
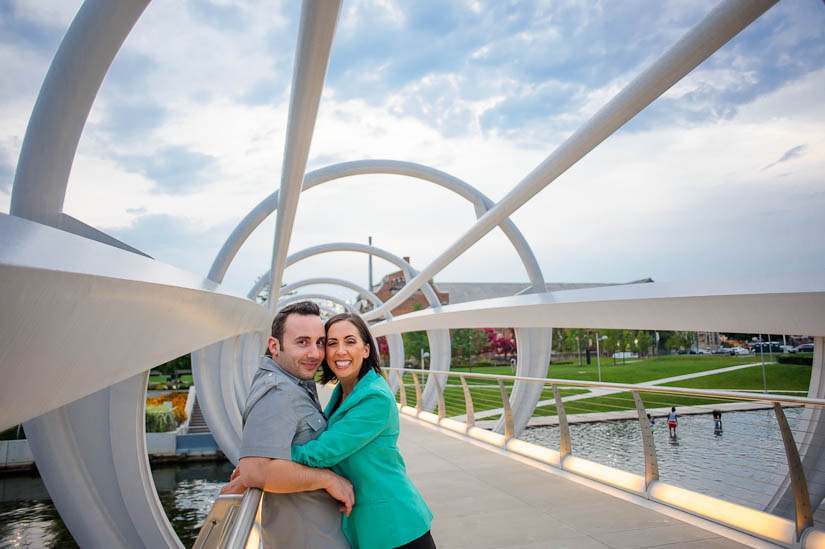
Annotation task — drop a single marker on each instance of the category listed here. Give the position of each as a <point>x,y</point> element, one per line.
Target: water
<point>744,463</point>
<point>29,519</point>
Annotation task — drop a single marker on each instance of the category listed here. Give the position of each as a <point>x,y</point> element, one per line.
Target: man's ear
<point>274,346</point>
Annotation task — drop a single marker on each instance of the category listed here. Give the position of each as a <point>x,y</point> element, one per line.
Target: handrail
<point>738,395</point>
<point>759,523</point>
<point>242,526</point>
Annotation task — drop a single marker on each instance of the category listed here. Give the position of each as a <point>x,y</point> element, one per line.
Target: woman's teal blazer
<point>360,444</point>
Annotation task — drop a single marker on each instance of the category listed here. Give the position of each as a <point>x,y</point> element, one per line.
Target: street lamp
<point>423,356</point>
<point>598,356</point>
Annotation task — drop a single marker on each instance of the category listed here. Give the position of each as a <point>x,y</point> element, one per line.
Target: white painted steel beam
<point>711,33</point>
<point>775,304</point>
<point>79,316</point>
<point>318,20</point>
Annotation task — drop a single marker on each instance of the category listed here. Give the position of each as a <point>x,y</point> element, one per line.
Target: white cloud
<point>675,201</point>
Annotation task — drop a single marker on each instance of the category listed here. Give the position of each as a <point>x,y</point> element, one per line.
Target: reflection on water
<point>744,463</point>
<point>29,519</point>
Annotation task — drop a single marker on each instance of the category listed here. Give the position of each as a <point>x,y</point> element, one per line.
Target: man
<point>301,505</point>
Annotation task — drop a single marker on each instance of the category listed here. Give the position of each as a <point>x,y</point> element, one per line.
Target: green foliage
<point>159,419</point>
<point>414,342</point>
<point>181,363</point>
<point>466,342</point>
<point>806,359</point>
<point>645,342</point>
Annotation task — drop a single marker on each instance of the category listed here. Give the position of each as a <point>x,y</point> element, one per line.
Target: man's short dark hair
<point>307,308</point>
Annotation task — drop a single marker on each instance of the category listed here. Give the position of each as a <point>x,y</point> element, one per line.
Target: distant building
<point>461,292</point>
<point>708,340</point>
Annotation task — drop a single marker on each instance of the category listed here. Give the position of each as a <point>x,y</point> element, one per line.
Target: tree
<point>502,346</point>
<point>645,342</point>
<point>466,342</point>
<point>674,341</point>
<point>570,344</point>
<point>414,342</point>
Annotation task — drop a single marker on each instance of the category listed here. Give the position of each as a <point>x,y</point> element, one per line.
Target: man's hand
<point>282,476</point>
<point>235,486</point>
<point>341,489</point>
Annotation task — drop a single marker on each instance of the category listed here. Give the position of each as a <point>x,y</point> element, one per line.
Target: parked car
<point>787,349</point>
<point>739,351</point>
<point>703,352</point>
<point>805,348</point>
<point>723,351</point>
<point>766,347</point>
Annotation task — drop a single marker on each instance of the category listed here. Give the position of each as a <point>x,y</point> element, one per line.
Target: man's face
<point>302,349</point>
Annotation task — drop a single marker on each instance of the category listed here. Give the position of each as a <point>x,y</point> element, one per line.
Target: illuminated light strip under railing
<point>814,539</point>
<point>609,475</point>
<point>765,525</point>
<point>753,522</point>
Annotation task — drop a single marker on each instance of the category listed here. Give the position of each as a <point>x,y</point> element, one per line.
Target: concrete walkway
<point>599,392</point>
<point>483,497</point>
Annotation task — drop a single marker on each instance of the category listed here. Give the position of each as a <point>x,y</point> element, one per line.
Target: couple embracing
<point>333,477</point>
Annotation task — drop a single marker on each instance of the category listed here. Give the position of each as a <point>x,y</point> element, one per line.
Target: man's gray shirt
<point>282,411</point>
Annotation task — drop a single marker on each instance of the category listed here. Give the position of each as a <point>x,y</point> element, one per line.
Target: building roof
<point>461,292</point>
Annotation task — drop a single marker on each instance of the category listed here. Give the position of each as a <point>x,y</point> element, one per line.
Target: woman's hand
<point>341,489</point>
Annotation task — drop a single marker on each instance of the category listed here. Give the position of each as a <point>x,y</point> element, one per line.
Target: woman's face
<point>346,350</point>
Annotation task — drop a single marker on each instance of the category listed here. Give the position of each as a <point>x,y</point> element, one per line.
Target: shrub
<point>805,359</point>
<point>560,362</point>
<point>159,419</point>
<point>178,401</point>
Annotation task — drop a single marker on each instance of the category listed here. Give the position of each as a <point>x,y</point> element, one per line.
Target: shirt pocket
<point>310,427</point>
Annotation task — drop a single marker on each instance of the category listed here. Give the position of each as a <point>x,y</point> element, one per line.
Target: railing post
<point>468,404</point>
<point>442,406</point>
<point>801,498</point>
<point>402,389</point>
<point>509,428</point>
<point>417,392</point>
<point>651,461</point>
<point>564,428</point>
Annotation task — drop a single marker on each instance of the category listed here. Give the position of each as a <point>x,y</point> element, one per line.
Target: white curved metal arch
<point>533,345</point>
<point>283,302</point>
<point>365,167</point>
<point>439,339</point>
<point>39,191</point>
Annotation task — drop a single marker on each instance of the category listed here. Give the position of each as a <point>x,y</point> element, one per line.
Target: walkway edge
<point>678,514</point>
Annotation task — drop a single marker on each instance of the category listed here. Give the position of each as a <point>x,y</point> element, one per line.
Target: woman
<point>360,444</point>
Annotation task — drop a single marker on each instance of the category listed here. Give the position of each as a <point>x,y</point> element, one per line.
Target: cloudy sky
<point>723,176</point>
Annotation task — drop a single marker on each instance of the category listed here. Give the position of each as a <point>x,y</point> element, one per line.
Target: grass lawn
<point>780,377</point>
<point>634,371</point>
<point>484,398</point>
<point>157,379</point>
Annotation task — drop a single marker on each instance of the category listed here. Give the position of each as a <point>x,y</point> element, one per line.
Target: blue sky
<point>722,176</point>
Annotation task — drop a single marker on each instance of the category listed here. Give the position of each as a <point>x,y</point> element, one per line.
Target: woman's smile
<point>345,353</point>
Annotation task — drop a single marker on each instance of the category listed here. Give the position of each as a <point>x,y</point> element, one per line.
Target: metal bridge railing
<point>728,472</point>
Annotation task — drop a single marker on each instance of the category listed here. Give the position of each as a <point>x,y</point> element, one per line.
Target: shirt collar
<point>267,363</point>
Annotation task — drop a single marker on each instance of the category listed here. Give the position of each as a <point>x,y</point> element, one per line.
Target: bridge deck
<point>483,498</point>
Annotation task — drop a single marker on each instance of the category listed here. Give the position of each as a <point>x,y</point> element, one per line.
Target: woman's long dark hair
<point>371,362</point>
